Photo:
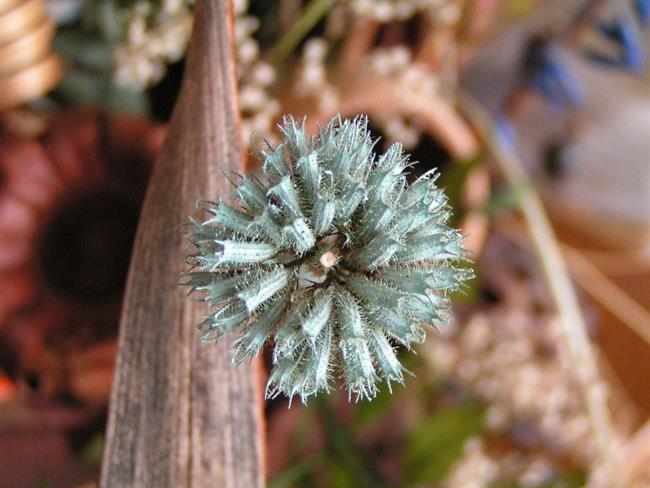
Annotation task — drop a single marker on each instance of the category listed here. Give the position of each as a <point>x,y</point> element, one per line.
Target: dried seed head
<point>333,257</point>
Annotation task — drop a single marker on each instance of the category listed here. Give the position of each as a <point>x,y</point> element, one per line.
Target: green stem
<point>295,474</point>
<point>312,14</point>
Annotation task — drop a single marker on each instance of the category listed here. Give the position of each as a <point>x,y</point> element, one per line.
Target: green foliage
<point>87,47</point>
<point>93,450</point>
<point>297,472</point>
<point>453,179</point>
<point>436,443</point>
<point>508,199</point>
<point>570,479</point>
<point>353,468</point>
<point>369,412</point>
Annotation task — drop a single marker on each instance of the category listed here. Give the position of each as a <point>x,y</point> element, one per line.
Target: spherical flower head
<point>332,256</point>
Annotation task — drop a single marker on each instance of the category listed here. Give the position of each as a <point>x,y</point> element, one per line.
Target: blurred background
<point>488,91</point>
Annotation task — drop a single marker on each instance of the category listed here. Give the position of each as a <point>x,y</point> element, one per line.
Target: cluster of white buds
<point>474,468</point>
<point>393,10</point>
<point>448,13</point>
<point>397,127</point>
<point>157,33</point>
<point>522,372</point>
<point>312,77</point>
<point>396,63</point>
<point>155,36</point>
<point>254,77</point>
<point>478,467</point>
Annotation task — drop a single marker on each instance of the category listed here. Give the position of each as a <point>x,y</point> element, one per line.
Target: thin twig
<point>312,14</point>
<point>612,297</point>
<point>616,262</point>
<point>436,114</point>
<point>598,285</point>
<point>557,277</point>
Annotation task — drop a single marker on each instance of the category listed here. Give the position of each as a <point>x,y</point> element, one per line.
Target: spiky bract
<point>332,256</point>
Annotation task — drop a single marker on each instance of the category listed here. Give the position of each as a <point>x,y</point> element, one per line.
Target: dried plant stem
<point>180,414</point>
<point>557,277</point>
<point>358,44</point>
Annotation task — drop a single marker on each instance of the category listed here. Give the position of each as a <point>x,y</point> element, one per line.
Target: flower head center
<point>328,259</point>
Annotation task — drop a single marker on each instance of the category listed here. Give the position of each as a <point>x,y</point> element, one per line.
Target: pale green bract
<point>332,256</point>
